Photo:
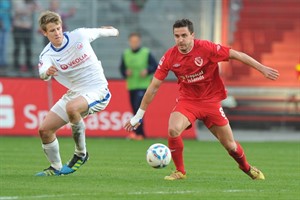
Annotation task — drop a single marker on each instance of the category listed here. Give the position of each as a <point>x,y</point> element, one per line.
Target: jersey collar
<point>60,49</point>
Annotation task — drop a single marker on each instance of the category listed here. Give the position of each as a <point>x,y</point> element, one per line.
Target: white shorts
<point>97,100</point>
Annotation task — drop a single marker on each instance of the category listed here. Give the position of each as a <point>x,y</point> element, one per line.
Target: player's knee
<point>71,110</point>
<point>173,132</point>
<point>230,146</point>
<point>45,133</point>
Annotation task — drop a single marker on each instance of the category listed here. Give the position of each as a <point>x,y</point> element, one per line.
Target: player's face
<point>183,39</point>
<point>54,34</point>
<point>134,42</point>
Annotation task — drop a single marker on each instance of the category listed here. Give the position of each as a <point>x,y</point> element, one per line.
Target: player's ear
<point>44,33</point>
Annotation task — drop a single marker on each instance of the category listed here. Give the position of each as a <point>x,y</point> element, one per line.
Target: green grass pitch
<point>117,169</point>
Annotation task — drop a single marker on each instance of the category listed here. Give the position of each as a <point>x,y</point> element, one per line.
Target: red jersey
<point>197,71</point>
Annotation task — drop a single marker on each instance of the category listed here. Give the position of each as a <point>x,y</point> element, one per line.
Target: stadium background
<point>268,30</point>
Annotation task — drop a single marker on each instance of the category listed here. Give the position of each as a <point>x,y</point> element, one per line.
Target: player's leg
<point>177,124</point>
<point>225,136</point>
<point>235,150</point>
<point>28,50</point>
<point>136,102</point>
<point>17,47</point>
<point>50,145</point>
<point>132,98</point>
<point>75,108</point>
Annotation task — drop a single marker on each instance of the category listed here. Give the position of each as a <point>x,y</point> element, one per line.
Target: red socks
<point>176,147</point>
<point>239,156</point>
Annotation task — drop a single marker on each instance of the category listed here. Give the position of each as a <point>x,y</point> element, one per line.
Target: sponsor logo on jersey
<point>218,47</point>
<point>79,45</point>
<point>193,77</point>
<point>198,61</point>
<point>75,62</point>
<point>176,65</point>
<point>64,66</point>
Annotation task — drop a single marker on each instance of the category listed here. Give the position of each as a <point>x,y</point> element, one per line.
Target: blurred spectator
<point>298,71</point>
<point>54,5</point>
<point>137,67</point>
<point>5,26</point>
<point>23,17</point>
<point>137,5</point>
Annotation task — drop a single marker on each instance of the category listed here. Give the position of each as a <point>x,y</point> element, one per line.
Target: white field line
<point>38,196</point>
<point>185,192</point>
<point>129,193</point>
<point>163,192</point>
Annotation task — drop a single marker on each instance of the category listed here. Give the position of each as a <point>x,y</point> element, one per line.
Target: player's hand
<point>130,127</point>
<point>135,121</point>
<point>144,73</point>
<point>270,73</point>
<point>111,27</point>
<point>128,72</point>
<point>52,71</point>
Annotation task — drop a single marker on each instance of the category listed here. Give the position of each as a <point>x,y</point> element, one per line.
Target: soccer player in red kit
<point>195,64</point>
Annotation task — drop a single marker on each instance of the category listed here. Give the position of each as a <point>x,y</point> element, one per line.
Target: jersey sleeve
<point>94,33</point>
<point>163,67</point>
<point>44,64</point>
<point>218,52</point>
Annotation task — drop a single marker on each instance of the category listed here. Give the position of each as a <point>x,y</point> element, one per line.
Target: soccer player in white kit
<point>70,59</point>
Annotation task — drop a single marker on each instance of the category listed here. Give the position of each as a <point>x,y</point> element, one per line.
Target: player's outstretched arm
<point>268,72</point>
<point>109,31</point>
<point>136,120</point>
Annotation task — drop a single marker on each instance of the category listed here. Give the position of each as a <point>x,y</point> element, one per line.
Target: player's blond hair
<point>49,17</point>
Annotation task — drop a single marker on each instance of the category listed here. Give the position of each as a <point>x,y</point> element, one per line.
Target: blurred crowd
<point>17,23</point>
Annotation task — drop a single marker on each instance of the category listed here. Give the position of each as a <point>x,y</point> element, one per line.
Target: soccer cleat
<point>255,174</point>
<point>177,175</point>
<point>74,164</point>
<point>133,136</point>
<point>50,171</point>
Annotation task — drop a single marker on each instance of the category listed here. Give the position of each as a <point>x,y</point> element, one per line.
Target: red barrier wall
<point>25,102</point>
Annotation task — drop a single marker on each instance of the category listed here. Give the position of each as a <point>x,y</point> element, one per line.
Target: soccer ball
<point>158,155</point>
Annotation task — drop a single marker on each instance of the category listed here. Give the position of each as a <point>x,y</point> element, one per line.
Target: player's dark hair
<point>134,34</point>
<point>184,23</point>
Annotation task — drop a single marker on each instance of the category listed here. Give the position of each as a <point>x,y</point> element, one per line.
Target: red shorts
<point>210,113</point>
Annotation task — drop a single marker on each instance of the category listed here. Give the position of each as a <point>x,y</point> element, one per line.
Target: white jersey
<point>78,66</point>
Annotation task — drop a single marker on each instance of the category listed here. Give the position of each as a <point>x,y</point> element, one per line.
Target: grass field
<point>117,170</point>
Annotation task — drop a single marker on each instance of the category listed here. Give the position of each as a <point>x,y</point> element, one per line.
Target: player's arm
<point>147,99</point>
<point>51,71</point>
<point>268,72</point>
<point>46,68</point>
<point>109,31</point>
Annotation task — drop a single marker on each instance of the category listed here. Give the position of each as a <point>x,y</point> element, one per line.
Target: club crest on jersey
<point>198,61</point>
<point>79,45</point>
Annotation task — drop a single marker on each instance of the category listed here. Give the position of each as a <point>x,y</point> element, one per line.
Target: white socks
<point>52,149</point>
<point>78,131</point>
<point>52,153</point>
